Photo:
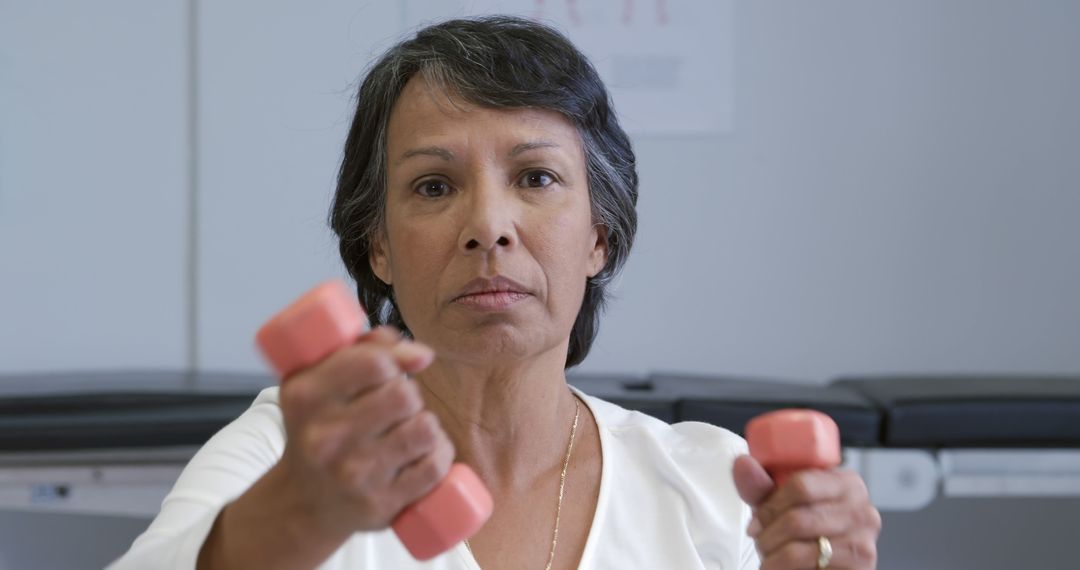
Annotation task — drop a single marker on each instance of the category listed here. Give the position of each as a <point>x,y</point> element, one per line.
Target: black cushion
<point>974,410</point>
<point>732,402</point>
<point>629,392</point>
<point>52,412</point>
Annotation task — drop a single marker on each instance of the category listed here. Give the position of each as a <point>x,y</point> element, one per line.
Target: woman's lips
<point>491,300</point>
<point>491,293</point>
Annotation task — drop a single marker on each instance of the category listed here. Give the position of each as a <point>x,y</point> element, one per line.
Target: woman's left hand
<point>788,523</point>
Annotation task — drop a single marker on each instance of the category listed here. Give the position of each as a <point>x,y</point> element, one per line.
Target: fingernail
<point>754,529</point>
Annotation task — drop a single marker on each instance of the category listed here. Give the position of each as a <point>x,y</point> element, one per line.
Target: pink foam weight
<point>320,322</point>
<point>453,511</point>
<point>326,319</point>
<point>786,441</point>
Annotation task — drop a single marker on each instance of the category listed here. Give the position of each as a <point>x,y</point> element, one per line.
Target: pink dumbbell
<point>786,441</point>
<point>326,319</point>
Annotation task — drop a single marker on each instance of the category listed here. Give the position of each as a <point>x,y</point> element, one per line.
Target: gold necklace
<point>562,486</point>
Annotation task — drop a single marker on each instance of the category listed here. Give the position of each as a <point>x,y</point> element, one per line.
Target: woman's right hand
<point>360,446</point>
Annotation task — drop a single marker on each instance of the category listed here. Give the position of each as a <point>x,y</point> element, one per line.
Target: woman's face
<point>488,239</point>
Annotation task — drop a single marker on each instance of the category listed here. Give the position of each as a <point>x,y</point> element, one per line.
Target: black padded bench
<point>56,412</point>
<point>732,402</point>
<point>634,393</point>
<point>937,411</point>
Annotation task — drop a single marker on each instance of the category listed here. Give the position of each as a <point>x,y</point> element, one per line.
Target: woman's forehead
<point>424,115</point>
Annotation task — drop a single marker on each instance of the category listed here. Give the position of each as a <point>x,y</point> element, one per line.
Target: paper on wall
<point>668,65</point>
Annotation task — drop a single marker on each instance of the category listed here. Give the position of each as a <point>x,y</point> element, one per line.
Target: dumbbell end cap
<point>323,320</point>
<point>787,440</point>
<point>453,511</point>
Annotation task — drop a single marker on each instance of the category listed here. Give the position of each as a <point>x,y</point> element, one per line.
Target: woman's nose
<point>489,221</point>
<point>477,244</point>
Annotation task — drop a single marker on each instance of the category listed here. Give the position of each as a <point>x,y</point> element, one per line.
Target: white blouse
<point>667,498</point>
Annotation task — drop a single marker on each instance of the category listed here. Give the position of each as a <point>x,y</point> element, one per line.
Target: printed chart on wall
<point>668,65</point>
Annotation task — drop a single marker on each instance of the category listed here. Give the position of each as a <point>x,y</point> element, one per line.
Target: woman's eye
<point>536,179</point>
<point>433,189</point>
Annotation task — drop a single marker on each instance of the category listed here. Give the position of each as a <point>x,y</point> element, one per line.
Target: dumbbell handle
<point>788,441</point>
<point>326,319</point>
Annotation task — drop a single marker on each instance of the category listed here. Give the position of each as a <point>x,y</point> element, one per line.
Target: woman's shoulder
<point>692,458</point>
<point>267,396</point>
<point>679,439</point>
<point>672,484</point>
<point>245,447</point>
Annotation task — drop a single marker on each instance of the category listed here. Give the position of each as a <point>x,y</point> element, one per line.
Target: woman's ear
<point>379,259</point>
<point>599,253</point>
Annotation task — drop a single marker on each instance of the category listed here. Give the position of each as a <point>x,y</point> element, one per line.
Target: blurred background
<point>827,189</point>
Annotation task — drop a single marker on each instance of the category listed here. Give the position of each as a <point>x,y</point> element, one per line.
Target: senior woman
<point>485,200</point>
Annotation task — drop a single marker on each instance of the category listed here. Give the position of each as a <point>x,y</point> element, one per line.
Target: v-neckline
<point>470,561</point>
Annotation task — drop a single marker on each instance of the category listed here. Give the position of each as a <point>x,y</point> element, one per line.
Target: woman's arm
<point>262,528</point>
<point>349,446</point>
<point>222,470</point>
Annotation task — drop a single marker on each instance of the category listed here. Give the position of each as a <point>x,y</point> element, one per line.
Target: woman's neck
<point>510,421</point>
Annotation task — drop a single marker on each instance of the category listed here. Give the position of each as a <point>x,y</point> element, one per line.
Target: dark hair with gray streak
<point>498,62</point>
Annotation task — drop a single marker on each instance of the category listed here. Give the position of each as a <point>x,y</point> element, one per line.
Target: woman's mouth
<point>491,300</point>
<point>491,294</point>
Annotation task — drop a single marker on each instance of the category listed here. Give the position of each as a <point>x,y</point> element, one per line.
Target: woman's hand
<point>814,503</point>
<point>359,445</point>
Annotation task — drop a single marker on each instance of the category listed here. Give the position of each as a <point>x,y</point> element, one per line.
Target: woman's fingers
<point>351,372</point>
<point>809,487</point>
<point>857,551</point>
<point>384,407</point>
<point>418,478</point>
<point>834,503</point>
<point>355,424</point>
<point>413,357</point>
<point>356,427</point>
<point>406,442</point>
<point>808,522</point>
<point>751,480</point>
<point>409,461</point>
<point>338,378</point>
<point>383,334</point>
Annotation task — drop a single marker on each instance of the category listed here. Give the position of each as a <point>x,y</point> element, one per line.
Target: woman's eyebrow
<point>448,156</point>
<point>438,151</point>
<point>531,145</point>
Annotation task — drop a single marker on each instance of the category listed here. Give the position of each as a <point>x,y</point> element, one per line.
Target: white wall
<point>899,190</point>
<point>93,184</point>
<point>275,93</point>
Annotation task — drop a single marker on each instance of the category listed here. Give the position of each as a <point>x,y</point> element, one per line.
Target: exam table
<point>911,437</point>
<point>114,442</point>
<point>110,445</point>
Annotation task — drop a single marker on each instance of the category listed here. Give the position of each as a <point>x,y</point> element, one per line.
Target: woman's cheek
<point>414,261</point>
<point>565,269</point>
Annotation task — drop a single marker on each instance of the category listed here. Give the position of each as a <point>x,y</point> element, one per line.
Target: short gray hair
<point>498,62</point>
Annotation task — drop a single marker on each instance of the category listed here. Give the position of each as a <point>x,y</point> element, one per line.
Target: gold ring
<point>824,553</point>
